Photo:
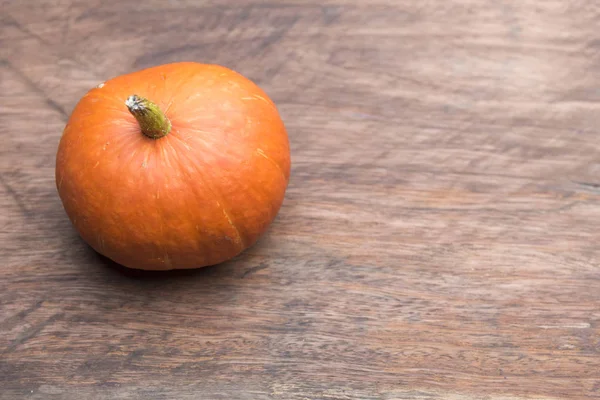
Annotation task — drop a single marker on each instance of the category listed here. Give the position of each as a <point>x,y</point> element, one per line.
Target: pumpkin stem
<point>153,122</point>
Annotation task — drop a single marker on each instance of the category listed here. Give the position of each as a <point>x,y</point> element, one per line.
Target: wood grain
<point>439,236</point>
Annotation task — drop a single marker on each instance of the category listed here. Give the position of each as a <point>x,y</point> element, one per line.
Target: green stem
<point>153,122</point>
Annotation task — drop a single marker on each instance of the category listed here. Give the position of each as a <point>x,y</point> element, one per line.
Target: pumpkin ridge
<point>173,98</point>
<point>259,98</point>
<point>191,162</point>
<point>237,140</point>
<point>207,146</point>
<point>235,228</point>
<point>261,152</point>
<point>113,103</point>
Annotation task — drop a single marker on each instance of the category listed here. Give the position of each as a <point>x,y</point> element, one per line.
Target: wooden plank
<point>438,238</point>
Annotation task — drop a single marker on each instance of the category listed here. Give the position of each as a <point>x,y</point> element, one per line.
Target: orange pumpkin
<point>177,166</point>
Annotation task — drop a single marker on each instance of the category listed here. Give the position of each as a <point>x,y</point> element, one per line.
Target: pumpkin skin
<point>198,196</point>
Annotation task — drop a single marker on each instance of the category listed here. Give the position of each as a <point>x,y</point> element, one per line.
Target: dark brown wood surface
<point>439,238</point>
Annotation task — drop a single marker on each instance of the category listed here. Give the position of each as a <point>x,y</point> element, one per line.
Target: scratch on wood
<point>15,196</point>
<point>30,333</point>
<point>20,315</point>
<point>580,325</point>
<point>37,89</point>
<point>253,270</point>
<point>25,30</point>
<point>61,54</point>
<point>594,187</point>
<point>277,35</point>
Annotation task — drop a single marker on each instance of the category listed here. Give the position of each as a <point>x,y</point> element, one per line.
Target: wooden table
<point>439,238</point>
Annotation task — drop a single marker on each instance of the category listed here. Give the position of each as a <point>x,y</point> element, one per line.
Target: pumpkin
<point>176,166</point>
